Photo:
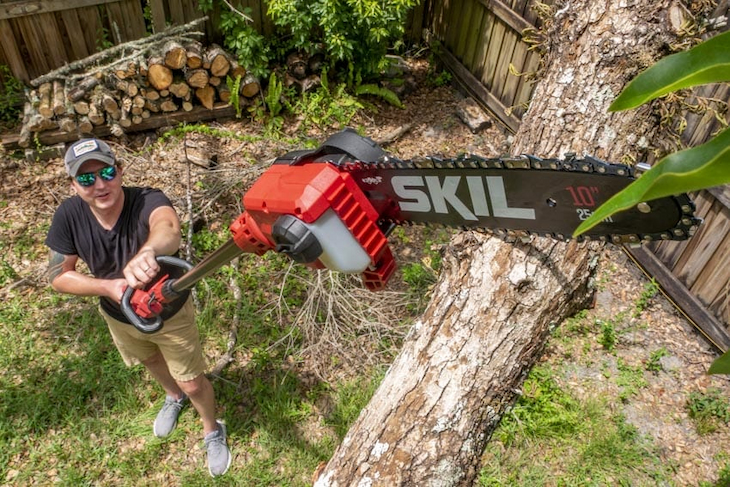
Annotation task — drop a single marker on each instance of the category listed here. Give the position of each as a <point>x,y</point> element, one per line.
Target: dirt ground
<point>30,192</point>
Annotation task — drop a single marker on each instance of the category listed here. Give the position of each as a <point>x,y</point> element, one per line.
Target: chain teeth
<point>684,229</point>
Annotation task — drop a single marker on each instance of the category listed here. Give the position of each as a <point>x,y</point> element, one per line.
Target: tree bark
<point>495,302</point>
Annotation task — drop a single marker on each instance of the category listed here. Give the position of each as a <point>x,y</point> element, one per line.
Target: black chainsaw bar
<point>544,197</point>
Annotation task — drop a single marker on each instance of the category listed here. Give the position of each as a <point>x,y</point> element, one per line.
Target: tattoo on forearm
<point>55,266</point>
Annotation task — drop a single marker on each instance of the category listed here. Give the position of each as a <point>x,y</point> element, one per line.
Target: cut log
<point>224,92</point>
<point>187,106</point>
<point>109,103</point>
<point>206,96</point>
<point>180,89</point>
<point>84,125</point>
<point>79,91</point>
<point>197,78</point>
<point>59,100</point>
<point>67,124</point>
<point>81,107</point>
<point>125,118</point>
<point>194,57</point>
<point>159,75</point>
<point>116,130</point>
<point>250,86</point>
<point>174,55</point>
<point>296,65</point>
<point>218,60</point>
<point>168,105</point>
<point>214,81</point>
<point>151,94</point>
<point>153,106</point>
<point>25,132</point>
<point>45,93</point>
<point>96,113</point>
<point>236,70</point>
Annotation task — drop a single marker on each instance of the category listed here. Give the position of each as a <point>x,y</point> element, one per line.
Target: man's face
<point>102,195</point>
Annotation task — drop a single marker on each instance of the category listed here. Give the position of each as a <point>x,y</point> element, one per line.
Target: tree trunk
<point>495,302</point>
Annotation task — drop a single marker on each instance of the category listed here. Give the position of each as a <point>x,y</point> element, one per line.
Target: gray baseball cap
<point>87,150</point>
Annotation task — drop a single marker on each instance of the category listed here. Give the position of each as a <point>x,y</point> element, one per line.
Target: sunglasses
<point>87,179</point>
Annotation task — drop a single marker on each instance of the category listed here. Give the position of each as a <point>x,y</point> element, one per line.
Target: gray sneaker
<point>166,419</point>
<point>219,457</point>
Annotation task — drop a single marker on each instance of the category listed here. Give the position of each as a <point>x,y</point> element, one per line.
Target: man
<point>118,232</point>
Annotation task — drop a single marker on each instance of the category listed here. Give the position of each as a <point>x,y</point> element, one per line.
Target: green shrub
<point>251,48</point>
<point>353,33</point>
<point>11,96</point>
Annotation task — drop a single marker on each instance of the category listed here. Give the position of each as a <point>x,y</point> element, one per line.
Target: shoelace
<point>172,406</point>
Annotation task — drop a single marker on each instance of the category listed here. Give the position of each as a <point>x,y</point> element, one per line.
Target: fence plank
<point>127,16</point>
<point>465,31</point>
<point>34,45</point>
<point>671,252</point>
<point>704,244</point>
<point>69,20</point>
<point>158,15</point>
<point>177,14</point>
<point>91,26</point>
<point>414,30</point>
<point>437,19</point>
<point>485,37</point>
<point>474,48</point>
<point>712,282</point>
<point>454,24</point>
<point>508,16</point>
<point>10,10</point>
<point>10,48</point>
<point>526,83</point>
<point>493,50</point>
<point>472,85</point>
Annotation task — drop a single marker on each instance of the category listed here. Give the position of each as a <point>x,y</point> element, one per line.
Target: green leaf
<point>721,365</point>
<point>693,169</point>
<point>708,62</point>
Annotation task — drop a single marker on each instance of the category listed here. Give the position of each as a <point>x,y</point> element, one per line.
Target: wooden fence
<point>487,44</point>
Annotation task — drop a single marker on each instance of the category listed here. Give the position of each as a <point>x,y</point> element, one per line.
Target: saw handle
<point>149,303</point>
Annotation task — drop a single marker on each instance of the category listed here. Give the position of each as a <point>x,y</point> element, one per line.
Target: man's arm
<point>64,278</point>
<point>164,239</point>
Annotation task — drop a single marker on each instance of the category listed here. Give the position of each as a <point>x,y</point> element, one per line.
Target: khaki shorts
<point>178,340</point>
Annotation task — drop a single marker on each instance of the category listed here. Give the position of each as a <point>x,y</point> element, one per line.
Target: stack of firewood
<point>179,76</point>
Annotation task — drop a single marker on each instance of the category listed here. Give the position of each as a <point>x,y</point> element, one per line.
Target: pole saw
<point>333,207</point>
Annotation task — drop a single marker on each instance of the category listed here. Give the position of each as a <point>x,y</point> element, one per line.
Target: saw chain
<point>548,197</point>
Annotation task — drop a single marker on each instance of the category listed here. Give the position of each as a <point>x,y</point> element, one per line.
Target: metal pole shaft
<point>223,255</point>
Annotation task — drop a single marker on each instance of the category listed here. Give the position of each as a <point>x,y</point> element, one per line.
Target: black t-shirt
<point>76,231</point>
